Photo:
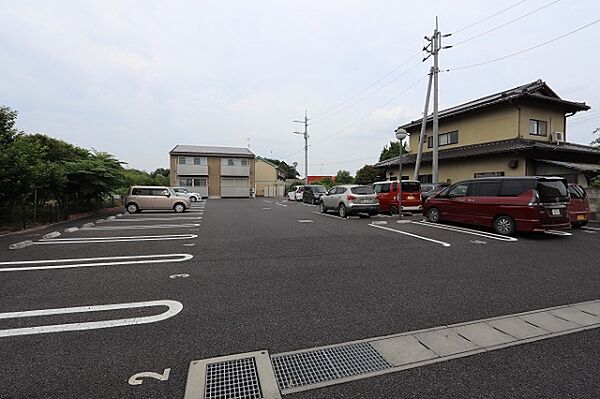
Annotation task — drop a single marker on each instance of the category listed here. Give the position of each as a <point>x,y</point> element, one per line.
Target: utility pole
<point>305,134</point>
<point>433,48</point>
<point>423,127</point>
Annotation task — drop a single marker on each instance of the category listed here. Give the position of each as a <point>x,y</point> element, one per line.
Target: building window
<point>230,162</point>
<point>444,139</point>
<point>488,174</point>
<point>200,161</point>
<point>244,162</point>
<point>181,160</point>
<point>538,128</point>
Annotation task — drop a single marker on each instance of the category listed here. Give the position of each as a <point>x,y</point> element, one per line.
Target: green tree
<point>326,181</point>
<point>8,119</point>
<point>392,151</point>
<point>289,170</point>
<point>160,172</point>
<point>343,177</point>
<point>366,175</point>
<point>596,141</point>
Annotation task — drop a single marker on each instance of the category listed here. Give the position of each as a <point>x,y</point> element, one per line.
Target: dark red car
<point>507,204</point>
<point>579,208</point>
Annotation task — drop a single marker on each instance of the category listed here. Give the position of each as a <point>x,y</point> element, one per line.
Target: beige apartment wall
<point>266,175</point>
<point>214,177</point>
<point>173,170</point>
<point>476,127</point>
<point>457,170</point>
<point>554,118</point>
<point>252,176</point>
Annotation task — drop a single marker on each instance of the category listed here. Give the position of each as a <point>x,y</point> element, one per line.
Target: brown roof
<point>538,91</point>
<point>495,147</point>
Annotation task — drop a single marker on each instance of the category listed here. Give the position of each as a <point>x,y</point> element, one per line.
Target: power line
<point>369,86</point>
<point>373,92</point>
<point>584,120</point>
<point>524,50</point>
<point>506,23</point>
<point>488,17</point>
<point>372,112</point>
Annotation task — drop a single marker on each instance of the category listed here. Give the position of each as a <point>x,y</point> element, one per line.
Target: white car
<point>296,193</point>
<point>182,192</point>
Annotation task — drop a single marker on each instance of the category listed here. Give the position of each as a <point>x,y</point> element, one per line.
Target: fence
<point>594,197</point>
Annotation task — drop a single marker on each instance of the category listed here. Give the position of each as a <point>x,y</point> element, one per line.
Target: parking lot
<point>120,308</point>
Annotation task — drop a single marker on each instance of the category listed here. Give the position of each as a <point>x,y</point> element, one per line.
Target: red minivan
<point>579,208</point>
<point>507,204</point>
<point>387,194</point>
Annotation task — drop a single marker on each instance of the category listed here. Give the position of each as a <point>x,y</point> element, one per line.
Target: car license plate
<point>580,217</point>
<point>410,197</point>
<point>555,212</point>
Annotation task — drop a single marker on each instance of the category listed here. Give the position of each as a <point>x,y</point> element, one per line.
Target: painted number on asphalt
<point>137,379</point>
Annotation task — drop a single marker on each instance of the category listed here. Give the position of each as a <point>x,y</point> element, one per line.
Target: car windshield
<point>319,189</point>
<point>362,190</point>
<point>553,190</point>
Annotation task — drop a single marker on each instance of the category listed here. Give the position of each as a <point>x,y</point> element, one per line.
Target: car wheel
<point>193,199</point>
<point>322,207</point>
<point>393,209</point>
<point>433,214</point>
<point>132,208</point>
<point>504,225</point>
<point>179,208</point>
<point>342,211</point>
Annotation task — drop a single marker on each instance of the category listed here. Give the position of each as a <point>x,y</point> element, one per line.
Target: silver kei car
<point>350,199</point>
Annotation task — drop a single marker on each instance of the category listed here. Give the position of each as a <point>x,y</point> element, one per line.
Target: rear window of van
<point>411,186</point>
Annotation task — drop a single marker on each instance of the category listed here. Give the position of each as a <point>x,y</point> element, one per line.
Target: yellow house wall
<point>457,170</point>
<point>486,126</point>
<point>173,170</point>
<point>555,121</point>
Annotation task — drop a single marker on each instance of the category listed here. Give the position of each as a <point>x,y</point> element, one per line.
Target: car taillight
<point>350,197</point>
<point>535,198</point>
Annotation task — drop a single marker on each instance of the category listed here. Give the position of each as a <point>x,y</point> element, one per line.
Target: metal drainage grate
<point>232,379</point>
<point>320,365</point>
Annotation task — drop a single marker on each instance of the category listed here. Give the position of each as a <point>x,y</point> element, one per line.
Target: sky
<point>136,78</point>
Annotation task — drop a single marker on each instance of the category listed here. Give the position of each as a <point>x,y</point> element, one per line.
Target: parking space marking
<point>329,215</point>
<point>141,219</point>
<point>590,228</point>
<point>443,243</point>
<point>284,205</point>
<point>174,308</point>
<point>142,227</point>
<point>464,230</point>
<point>558,233</point>
<point>49,264</point>
<point>91,240</point>
<point>305,221</point>
<point>266,208</point>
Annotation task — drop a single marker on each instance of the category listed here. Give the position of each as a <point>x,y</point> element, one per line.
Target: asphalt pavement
<point>235,276</point>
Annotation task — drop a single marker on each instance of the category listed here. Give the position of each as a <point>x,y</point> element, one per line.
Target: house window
<point>244,162</point>
<point>488,174</point>
<point>230,162</point>
<point>185,182</point>
<point>538,128</point>
<point>426,178</point>
<point>444,139</point>
<point>181,160</point>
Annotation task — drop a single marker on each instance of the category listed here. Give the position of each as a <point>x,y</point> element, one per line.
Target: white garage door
<point>235,187</point>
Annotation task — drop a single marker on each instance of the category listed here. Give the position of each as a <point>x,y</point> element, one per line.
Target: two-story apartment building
<point>270,179</point>
<point>517,132</point>
<point>214,172</point>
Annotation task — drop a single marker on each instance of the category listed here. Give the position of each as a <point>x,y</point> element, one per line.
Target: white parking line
<point>174,307</point>
<point>329,215</point>
<point>464,230</point>
<point>558,233</point>
<point>305,221</point>
<point>445,244</point>
<point>49,264</point>
<point>91,240</point>
<point>591,228</point>
<point>142,227</point>
<point>154,219</point>
<point>284,205</point>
